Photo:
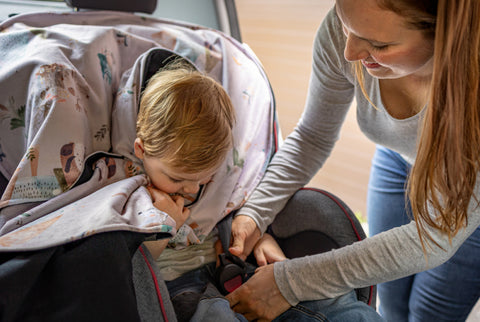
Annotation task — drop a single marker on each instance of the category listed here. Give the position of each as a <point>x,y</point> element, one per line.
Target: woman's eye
<point>175,180</point>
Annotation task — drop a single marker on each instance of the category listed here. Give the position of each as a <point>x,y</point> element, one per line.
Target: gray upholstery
<point>315,221</point>
<point>146,279</point>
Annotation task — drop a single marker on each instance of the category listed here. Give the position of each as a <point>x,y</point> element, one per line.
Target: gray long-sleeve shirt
<point>386,256</point>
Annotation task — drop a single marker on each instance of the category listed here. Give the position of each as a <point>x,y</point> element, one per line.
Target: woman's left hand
<point>267,251</point>
<point>259,298</point>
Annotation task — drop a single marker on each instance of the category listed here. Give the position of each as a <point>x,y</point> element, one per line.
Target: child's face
<point>171,180</point>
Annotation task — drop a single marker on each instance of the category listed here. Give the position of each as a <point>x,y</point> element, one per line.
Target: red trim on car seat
<point>275,134</point>
<point>155,281</point>
<point>351,221</point>
<point>370,295</point>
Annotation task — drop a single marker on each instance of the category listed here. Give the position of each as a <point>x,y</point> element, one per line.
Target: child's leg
<point>195,297</point>
<point>185,292</point>
<point>215,307</point>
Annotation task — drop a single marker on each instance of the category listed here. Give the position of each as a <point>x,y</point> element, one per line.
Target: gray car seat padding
<point>153,300</point>
<point>314,221</point>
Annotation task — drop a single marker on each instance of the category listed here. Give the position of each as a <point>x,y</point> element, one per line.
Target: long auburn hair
<point>447,163</point>
<point>442,180</point>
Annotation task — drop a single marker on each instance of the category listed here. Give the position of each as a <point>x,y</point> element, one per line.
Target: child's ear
<point>138,148</point>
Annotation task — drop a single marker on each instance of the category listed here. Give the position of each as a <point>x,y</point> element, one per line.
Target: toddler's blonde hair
<point>185,119</point>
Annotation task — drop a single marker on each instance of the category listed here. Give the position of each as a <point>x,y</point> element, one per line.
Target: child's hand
<point>172,205</point>
<point>267,251</point>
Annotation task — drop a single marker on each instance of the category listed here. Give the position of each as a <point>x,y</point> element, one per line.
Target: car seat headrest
<point>156,60</point>
<point>146,6</point>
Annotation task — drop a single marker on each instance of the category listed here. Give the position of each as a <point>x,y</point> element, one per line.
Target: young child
<point>184,132</point>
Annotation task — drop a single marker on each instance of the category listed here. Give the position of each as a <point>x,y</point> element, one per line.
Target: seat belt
<point>232,271</point>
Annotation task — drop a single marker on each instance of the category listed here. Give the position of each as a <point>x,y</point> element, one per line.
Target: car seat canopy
<point>72,84</point>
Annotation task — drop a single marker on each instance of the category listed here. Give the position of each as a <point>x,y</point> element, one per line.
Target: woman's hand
<point>172,205</point>
<point>245,234</point>
<point>267,251</point>
<point>259,298</point>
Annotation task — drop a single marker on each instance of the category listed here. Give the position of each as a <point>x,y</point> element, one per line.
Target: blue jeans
<point>212,306</point>
<point>445,293</point>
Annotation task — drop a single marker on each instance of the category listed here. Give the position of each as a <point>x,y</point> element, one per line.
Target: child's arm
<point>173,206</point>
<point>267,251</point>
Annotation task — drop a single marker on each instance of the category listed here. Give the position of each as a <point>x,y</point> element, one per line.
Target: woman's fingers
<point>245,235</point>
<point>259,297</point>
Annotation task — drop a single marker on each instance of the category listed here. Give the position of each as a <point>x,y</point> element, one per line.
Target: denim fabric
<point>196,299</point>
<point>345,308</point>
<point>445,293</point>
<point>186,291</point>
<point>214,307</point>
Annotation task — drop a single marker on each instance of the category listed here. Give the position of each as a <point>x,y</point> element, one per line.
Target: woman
<point>413,68</point>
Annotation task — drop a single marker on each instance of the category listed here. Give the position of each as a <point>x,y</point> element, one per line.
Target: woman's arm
<point>305,150</point>
<point>384,257</point>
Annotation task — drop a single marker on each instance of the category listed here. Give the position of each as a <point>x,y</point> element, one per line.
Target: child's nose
<point>191,187</point>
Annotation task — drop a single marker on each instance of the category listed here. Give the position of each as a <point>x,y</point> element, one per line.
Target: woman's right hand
<point>245,235</point>
<point>259,298</point>
<point>172,205</point>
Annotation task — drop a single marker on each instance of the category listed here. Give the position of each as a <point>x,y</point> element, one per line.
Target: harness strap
<point>232,271</point>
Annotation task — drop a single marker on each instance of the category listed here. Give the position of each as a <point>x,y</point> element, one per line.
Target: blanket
<point>71,84</point>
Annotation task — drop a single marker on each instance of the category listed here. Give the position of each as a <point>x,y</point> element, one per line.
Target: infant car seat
<point>71,94</point>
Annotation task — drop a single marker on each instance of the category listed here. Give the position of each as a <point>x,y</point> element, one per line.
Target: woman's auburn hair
<point>186,118</point>
<point>443,178</point>
<point>442,181</point>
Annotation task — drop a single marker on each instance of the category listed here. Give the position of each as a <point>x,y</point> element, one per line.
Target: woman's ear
<point>138,148</point>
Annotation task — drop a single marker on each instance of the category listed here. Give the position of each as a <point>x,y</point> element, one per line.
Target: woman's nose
<point>355,49</point>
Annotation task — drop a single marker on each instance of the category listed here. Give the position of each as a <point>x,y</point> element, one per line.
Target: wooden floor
<point>281,34</point>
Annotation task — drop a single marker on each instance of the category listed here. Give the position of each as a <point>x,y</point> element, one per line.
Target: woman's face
<point>383,41</point>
